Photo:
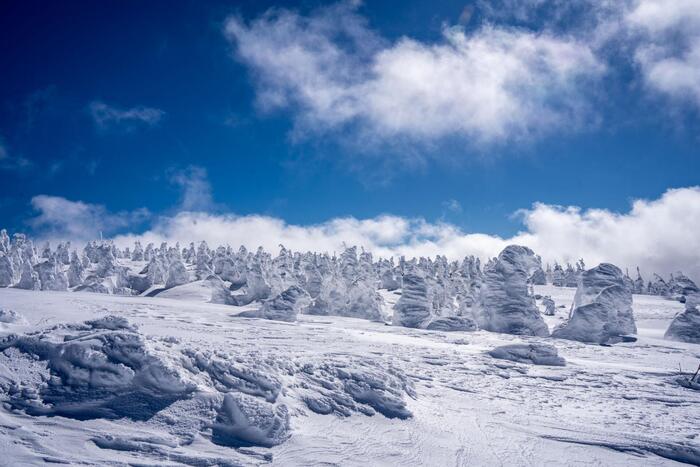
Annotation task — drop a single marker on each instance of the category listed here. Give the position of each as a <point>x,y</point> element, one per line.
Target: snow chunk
<point>535,353</point>
<point>100,369</point>
<point>343,387</point>
<point>452,323</point>
<point>244,420</point>
<point>10,316</point>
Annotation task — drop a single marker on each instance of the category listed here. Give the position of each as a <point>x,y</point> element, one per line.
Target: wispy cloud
<point>488,85</point>
<point>669,49</point>
<point>196,192</point>
<point>106,115</point>
<point>452,205</point>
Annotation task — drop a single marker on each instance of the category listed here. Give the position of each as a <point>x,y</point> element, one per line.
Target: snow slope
<point>329,390</point>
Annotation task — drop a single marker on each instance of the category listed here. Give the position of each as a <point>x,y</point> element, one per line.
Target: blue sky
<point>275,112</point>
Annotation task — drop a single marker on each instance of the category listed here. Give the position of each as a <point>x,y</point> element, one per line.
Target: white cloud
<point>659,235</point>
<point>61,218</point>
<point>105,115</point>
<point>492,84</point>
<point>669,49</point>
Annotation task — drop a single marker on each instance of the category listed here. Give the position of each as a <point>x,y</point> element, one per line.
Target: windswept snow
<point>186,382</point>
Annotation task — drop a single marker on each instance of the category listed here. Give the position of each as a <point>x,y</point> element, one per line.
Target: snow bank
<point>99,369</point>
<point>452,323</point>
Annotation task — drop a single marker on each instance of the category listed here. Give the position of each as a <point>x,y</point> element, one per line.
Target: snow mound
<point>252,374</point>
<point>329,386</point>
<point>535,353</point>
<point>244,420</point>
<point>99,369</point>
<point>506,304</point>
<point>602,308</point>
<point>685,327</point>
<point>11,316</point>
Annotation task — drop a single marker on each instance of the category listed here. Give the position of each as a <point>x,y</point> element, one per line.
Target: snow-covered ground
<point>186,382</point>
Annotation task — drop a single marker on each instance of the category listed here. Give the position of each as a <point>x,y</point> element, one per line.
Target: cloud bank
<point>492,84</point>
<point>524,69</point>
<point>658,235</point>
<point>62,219</point>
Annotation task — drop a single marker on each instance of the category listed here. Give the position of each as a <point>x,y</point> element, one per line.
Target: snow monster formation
<point>506,305</point>
<point>414,308</point>
<point>685,327</point>
<point>602,308</point>
<point>283,307</point>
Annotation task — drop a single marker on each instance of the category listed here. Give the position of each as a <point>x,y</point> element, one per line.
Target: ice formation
<point>602,308</point>
<point>506,305</point>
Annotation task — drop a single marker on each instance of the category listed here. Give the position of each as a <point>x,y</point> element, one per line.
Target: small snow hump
<point>535,353</point>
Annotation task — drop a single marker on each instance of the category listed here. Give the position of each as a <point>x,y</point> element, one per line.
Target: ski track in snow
<point>617,405</point>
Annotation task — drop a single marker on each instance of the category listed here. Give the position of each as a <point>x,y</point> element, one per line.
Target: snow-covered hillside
<point>101,378</point>
<point>203,356</point>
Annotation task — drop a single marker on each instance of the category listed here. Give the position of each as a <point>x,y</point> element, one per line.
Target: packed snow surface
<point>174,379</point>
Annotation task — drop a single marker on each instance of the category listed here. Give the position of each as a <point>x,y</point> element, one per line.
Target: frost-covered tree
<point>506,305</point>
<point>7,270</point>
<point>137,252</point>
<point>602,308</point>
<point>414,309</point>
<point>177,274</point>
